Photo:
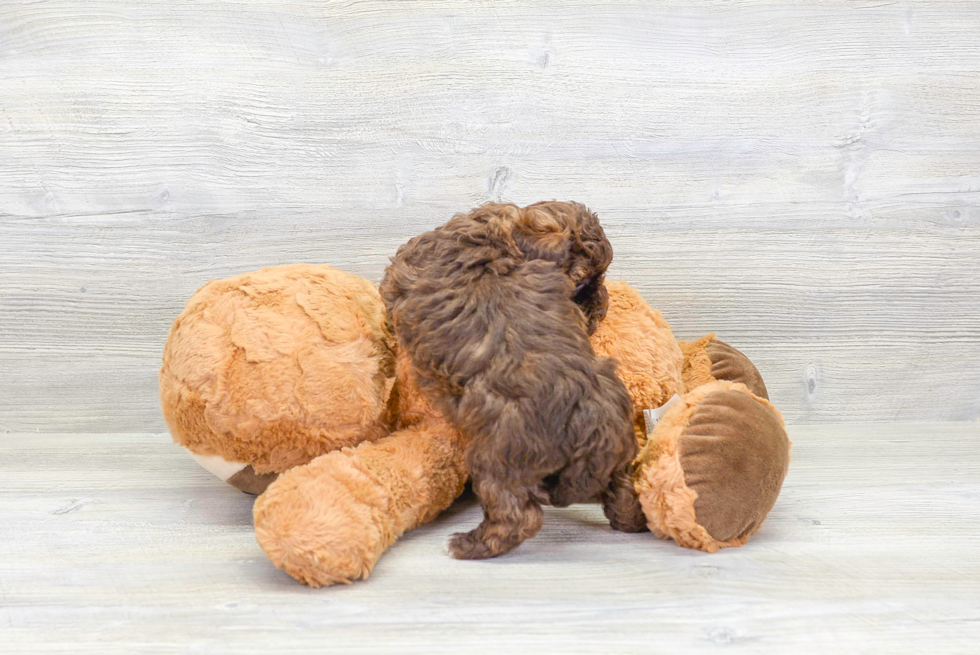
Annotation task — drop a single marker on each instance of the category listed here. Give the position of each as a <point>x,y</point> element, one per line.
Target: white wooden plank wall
<point>802,177</point>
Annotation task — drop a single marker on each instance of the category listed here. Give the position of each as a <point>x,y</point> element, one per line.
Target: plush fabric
<point>659,478</point>
<point>696,369</point>
<point>275,367</point>
<point>330,521</point>
<point>640,340</point>
<point>735,454</point>
<point>250,482</point>
<point>708,359</point>
<point>728,363</point>
<point>713,467</point>
<point>286,378</point>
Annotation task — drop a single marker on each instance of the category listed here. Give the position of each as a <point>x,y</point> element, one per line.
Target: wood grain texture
<point>802,178</point>
<point>120,543</point>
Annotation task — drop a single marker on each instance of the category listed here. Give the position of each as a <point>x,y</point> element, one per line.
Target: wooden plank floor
<point>119,543</point>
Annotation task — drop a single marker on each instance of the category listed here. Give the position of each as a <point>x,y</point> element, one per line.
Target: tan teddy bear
<point>285,383</point>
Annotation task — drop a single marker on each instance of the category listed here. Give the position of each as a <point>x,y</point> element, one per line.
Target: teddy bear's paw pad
<point>250,482</point>
<point>734,453</point>
<point>728,363</point>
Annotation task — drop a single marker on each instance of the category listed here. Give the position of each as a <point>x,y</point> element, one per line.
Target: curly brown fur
<point>495,308</point>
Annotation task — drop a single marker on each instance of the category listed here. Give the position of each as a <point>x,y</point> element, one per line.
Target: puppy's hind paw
<point>467,545</point>
<point>629,524</point>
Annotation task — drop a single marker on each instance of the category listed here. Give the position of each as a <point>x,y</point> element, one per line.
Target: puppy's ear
<point>592,298</point>
<point>488,226</point>
<point>566,234</point>
<point>571,236</point>
<point>545,232</point>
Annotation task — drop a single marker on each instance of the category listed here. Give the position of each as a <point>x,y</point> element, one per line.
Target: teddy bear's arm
<point>708,359</point>
<point>329,521</point>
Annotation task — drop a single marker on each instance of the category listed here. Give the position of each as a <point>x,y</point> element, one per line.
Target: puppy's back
<point>503,351</point>
<point>500,346</point>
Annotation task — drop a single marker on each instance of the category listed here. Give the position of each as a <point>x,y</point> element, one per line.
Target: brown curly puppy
<point>495,308</point>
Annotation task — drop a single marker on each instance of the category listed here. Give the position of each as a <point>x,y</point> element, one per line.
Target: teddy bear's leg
<point>329,521</point>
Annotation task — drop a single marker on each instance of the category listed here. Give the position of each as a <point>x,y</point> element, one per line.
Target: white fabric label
<point>652,416</point>
<point>218,465</point>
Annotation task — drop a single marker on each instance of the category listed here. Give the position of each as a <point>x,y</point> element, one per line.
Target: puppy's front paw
<point>467,545</point>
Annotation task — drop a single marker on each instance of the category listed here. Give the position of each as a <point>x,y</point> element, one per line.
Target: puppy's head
<point>565,233</point>
<point>568,234</point>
